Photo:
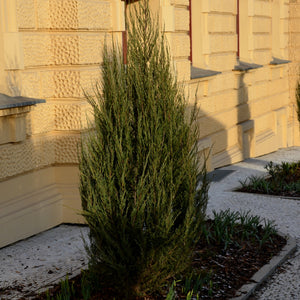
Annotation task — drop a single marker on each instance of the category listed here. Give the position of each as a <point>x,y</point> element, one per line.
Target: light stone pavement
<point>38,261</point>
<point>31,264</point>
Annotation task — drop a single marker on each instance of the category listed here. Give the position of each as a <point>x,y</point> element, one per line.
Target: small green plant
<point>85,286</point>
<point>48,295</point>
<point>172,293</point>
<point>210,290</point>
<point>192,287</point>
<point>227,227</point>
<point>223,226</point>
<point>282,179</point>
<point>66,291</point>
<point>269,231</point>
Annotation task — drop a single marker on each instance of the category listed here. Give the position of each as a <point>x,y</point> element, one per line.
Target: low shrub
<point>282,179</point>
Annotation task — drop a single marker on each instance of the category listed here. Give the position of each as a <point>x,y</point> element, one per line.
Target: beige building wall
<point>51,49</point>
<point>294,69</point>
<point>243,113</point>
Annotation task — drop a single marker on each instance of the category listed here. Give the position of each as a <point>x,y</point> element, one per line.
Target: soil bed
<point>221,271</point>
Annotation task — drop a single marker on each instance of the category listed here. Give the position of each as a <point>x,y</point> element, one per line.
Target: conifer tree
<point>139,167</point>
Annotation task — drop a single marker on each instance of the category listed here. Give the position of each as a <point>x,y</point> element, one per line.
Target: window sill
<point>243,66</point>
<point>19,101</point>
<point>13,112</point>
<point>202,73</point>
<point>278,61</point>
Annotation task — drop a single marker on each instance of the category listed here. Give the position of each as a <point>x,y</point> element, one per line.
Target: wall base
<point>37,201</point>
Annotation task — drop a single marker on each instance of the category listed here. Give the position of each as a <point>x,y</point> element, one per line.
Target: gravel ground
<point>45,258</point>
<point>36,262</point>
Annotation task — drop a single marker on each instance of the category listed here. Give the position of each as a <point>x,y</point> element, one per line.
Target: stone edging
<point>267,270</point>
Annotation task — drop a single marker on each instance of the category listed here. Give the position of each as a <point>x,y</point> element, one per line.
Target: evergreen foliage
<point>139,168</point>
<point>298,99</point>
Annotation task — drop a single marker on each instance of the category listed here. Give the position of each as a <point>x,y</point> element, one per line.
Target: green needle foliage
<point>143,192</point>
<point>298,99</point>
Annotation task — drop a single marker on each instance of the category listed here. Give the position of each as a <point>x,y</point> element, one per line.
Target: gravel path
<point>43,259</point>
<point>28,265</point>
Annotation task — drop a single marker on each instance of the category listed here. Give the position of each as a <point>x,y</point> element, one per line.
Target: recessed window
<point>199,38</point>
<point>244,34</point>
<point>279,28</point>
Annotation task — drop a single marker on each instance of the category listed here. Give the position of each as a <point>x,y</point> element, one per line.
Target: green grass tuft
<point>282,179</point>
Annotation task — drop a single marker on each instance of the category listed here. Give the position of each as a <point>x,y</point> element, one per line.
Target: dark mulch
<point>227,270</point>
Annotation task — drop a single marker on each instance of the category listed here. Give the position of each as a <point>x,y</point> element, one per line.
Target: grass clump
<point>139,168</point>
<point>282,179</point>
<point>229,227</point>
<point>66,291</point>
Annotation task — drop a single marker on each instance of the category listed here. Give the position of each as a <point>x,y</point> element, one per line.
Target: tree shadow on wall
<point>215,131</point>
<point>213,138</point>
<point>245,124</point>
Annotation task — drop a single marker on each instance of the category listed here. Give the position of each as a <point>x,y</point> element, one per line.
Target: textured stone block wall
<point>60,52</point>
<point>49,49</point>
<point>237,106</point>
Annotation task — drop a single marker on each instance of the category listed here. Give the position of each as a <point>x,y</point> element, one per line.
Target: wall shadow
<point>245,124</point>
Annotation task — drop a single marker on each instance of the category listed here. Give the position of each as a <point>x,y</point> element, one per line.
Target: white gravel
<point>38,261</point>
<point>30,264</point>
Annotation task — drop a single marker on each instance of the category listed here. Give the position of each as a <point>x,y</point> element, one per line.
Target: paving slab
<point>44,259</point>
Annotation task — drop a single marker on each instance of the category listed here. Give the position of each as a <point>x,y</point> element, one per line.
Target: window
<point>244,35</point>
<point>245,27</point>
<point>198,35</point>
<point>279,29</point>
<point>199,39</point>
